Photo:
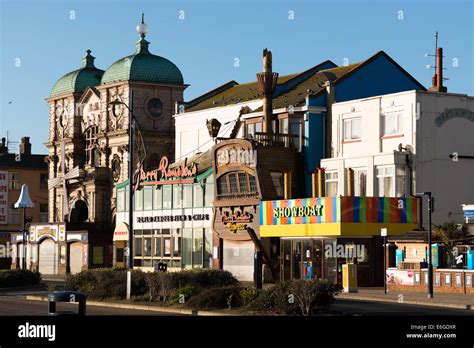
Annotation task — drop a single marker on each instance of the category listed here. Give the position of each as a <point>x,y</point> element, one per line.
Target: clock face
<point>154,107</point>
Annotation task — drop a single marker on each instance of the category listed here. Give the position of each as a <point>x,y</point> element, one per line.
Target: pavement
<point>442,300</point>
<point>16,304</point>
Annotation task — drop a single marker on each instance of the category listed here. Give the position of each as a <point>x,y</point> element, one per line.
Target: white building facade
<point>402,143</point>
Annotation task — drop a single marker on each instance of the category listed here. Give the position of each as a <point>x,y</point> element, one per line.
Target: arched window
<point>236,184</point>
<point>92,146</point>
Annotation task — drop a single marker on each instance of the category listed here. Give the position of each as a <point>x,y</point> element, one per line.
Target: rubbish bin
<point>349,277</point>
<point>66,296</point>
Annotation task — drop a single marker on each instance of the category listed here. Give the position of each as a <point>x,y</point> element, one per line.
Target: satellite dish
<point>409,148</point>
<point>400,147</point>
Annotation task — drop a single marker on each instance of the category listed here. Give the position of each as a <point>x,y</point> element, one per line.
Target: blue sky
<point>213,33</point>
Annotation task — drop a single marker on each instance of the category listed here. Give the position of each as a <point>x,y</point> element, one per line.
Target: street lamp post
<point>430,260</point>
<point>24,201</point>
<point>131,128</point>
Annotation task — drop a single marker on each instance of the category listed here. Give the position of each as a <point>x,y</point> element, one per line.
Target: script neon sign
<point>183,174</point>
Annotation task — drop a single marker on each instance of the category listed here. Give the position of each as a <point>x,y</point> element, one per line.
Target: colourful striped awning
<point>338,215</point>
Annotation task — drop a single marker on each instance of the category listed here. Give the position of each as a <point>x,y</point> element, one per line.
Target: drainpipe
<point>350,181</point>
<point>330,99</point>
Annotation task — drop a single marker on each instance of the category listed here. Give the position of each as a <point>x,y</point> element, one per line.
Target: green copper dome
<point>78,80</point>
<point>143,66</point>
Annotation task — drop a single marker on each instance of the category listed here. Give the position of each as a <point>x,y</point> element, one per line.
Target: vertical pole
<point>130,183</point>
<point>24,239</point>
<point>129,283</point>
<point>385,265</point>
<point>430,260</point>
<point>130,195</point>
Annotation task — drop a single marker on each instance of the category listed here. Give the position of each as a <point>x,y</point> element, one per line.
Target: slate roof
<point>7,161</point>
<point>313,84</point>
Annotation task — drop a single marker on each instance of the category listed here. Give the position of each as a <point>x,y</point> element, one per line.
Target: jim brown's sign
<point>233,222</point>
<point>164,175</point>
<point>236,209</point>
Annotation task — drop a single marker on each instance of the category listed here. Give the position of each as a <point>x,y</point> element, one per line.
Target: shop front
<point>319,235</point>
<point>241,183</point>
<point>172,219</point>
<point>57,249</point>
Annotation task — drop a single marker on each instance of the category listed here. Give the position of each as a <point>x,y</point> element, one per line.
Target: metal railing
<point>274,139</point>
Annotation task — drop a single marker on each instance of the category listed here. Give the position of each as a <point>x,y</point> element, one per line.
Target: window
<point>14,217</point>
<point>197,247</point>
<point>167,246</point>
<point>157,200</point>
<point>14,181</point>
<point>43,181</point>
<point>177,196</point>
<point>385,181</point>
<point>147,246</point>
<point>148,198</point>
<point>243,182</point>
<point>120,200</point>
<point>187,247</point>
<point>208,247</point>
<point>138,246</point>
<point>352,128</point>
<point>167,195</point>
<point>331,183</point>
<point>236,183</point>
<point>176,245</point>
<point>157,246</point>
<point>392,123</point>
<point>278,184</point>
<point>389,184</point>
<point>284,126</point>
<point>138,199</point>
<point>295,130</point>
<point>251,130</point>
<point>258,127</point>
<point>222,188</point>
<point>188,196</point>
<point>400,181</point>
<point>43,212</point>
<point>209,195</point>
<point>198,195</point>
<point>92,146</point>
<point>232,177</point>
<point>253,184</point>
<point>360,182</point>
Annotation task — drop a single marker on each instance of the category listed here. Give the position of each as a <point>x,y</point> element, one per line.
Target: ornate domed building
<point>88,150</point>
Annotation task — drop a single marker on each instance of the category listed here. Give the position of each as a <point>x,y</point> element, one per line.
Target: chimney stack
<point>438,76</point>
<point>266,83</point>
<point>3,147</point>
<point>25,146</point>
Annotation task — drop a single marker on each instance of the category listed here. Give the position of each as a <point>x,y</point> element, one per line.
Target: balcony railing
<point>274,139</point>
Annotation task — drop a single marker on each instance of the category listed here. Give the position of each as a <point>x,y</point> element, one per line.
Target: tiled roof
<point>309,82</point>
<point>236,94</point>
<point>78,80</point>
<point>143,66</point>
<point>7,160</point>
<point>312,85</point>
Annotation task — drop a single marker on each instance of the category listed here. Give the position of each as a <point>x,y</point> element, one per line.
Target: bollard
<point>66,296</point>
